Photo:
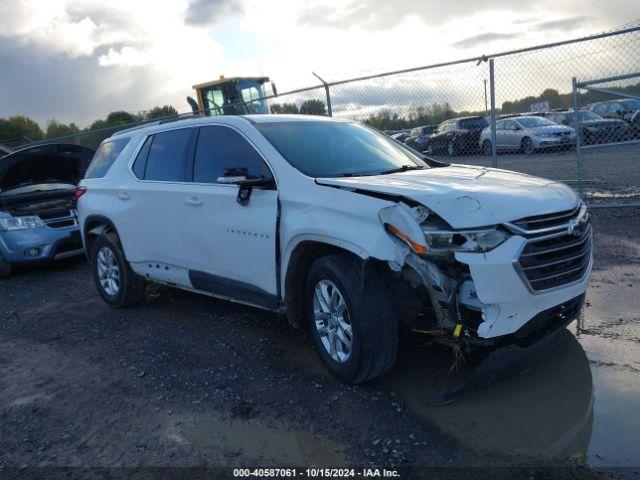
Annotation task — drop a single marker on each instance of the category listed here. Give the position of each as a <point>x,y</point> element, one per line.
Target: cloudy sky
<point>77,60</point>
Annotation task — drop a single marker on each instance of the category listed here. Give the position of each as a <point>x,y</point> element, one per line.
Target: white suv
<point>339,227</point>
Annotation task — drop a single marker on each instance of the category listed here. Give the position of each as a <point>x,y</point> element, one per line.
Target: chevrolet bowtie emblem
<point>574,227</point>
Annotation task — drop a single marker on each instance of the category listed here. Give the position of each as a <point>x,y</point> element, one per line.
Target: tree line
<point>18,129</point>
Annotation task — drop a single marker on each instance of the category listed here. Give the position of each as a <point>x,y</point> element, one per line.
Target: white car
<point>527,134</point>
<point>339,227</point>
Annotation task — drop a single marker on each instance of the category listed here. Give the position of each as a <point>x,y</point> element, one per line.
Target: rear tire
<point>486,147</point>
<point>117,283</point>
<point>5,267</point>
<point>367,314</point>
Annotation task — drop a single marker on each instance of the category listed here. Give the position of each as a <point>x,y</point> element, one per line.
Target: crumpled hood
<point>469,196</point>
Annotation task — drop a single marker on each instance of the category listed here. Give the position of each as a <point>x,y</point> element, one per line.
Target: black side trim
<point>233,289</point>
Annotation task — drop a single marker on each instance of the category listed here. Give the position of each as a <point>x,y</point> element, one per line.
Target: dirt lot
<point>186,380</point>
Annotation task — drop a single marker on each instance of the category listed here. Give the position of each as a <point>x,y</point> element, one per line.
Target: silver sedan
<point>527,134</point>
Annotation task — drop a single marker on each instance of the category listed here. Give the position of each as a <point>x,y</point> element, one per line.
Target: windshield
<point>473,123</point>
<point>529,122</point>
<point>334,149</point>
<point>632,104</point>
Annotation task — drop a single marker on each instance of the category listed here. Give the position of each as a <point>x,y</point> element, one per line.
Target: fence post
<point>576,125</point>
<point>326,91</point>
<point>492,90</point>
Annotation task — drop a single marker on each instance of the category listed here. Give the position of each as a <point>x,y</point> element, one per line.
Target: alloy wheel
<point>108,271</point>
<point>332,321</point>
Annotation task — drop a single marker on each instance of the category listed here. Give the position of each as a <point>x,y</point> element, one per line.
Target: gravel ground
<point>186,380</point>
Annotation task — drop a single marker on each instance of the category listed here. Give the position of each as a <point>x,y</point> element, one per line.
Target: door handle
<point>124,196</point>
<point>193,201</point>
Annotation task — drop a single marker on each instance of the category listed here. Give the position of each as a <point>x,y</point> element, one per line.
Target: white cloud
<point>133,54</point>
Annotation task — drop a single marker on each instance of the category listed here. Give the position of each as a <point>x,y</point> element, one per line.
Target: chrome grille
<point>558,248</point>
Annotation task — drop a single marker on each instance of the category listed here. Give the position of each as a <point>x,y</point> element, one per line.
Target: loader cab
<point>232,96</point>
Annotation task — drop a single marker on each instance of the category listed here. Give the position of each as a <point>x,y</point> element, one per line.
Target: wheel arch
<point>298,261</point>
<point>94,226</point>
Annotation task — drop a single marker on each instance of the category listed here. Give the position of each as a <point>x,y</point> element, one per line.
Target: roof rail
<point>137,127</point>
<point>160,121</point>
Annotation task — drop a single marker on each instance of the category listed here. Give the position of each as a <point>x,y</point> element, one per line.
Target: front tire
<point>5,267</point>
<point>526,146</point>
<point>117,283</point>
<point>353,325</point>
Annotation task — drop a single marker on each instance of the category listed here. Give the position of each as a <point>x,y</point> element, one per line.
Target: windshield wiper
<point>403,168</point>
<point>350,174</point>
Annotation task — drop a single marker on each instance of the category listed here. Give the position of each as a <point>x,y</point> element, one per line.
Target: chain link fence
<point>513,110</point>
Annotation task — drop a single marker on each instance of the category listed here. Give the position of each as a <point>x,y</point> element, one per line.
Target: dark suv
<point>457,136</point>
<point>627,109</point>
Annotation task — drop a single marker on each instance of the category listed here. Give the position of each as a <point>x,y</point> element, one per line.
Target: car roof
<point>158,126</point>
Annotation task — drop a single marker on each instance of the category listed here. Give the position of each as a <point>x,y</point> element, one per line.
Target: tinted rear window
<point>105,156</point>
<point>473,123</point>
<point>168,155</point>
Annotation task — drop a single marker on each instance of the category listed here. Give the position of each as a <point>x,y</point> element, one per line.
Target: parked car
<point>458,136</point>
<point>38,219</point>
<point>418,138</point>
<point>348,232</point>
<point>401,136</point>
<point>627,109</point>
<point>593,128</point>
<point>527,134</point>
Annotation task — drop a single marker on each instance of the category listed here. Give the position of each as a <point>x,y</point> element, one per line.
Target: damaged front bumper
<point>508,305</point>
<point>518,352</point>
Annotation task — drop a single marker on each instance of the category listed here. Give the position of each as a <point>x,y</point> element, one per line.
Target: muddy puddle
<point>580,402</point>
<point>252,441</point>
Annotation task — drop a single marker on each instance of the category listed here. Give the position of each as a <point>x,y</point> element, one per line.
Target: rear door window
<point>223,152</point>
<point>105,156</point>
<point>168,155</point>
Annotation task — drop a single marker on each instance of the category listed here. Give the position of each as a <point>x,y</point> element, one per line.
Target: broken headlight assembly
<point>20,223</point>
<point>434,235</point>
<point>481,240</point>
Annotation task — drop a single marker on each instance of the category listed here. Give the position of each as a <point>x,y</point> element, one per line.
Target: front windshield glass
<point>632,104</point>
<point>334,149</point>
<point>530,122</point>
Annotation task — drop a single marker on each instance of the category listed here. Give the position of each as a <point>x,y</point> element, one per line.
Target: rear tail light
<point>80,191</point>
<point>460,132</point>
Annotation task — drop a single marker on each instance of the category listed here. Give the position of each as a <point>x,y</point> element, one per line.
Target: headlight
<point>465,241</point>
<point>20,223</point>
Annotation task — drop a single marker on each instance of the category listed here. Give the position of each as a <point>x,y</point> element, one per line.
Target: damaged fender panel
<point>358,230</point>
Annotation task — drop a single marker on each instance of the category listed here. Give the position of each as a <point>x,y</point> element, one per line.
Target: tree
<point>284,108</point>
<point>159,112</point>
<point>19,129</point>
<point>56,129</point>
<point>313,107</point>
<point>120,118</point>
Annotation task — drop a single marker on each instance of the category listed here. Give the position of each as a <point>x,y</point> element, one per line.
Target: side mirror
<point>246,186</point>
